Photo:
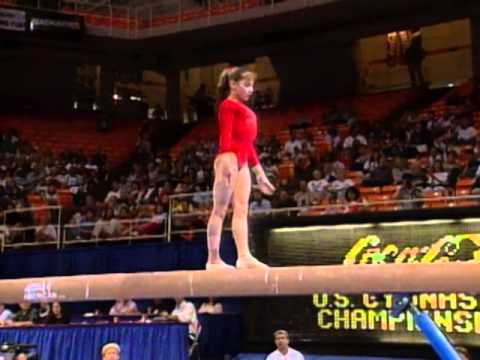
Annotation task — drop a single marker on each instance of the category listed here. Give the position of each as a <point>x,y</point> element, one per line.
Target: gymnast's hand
<point>264,185</point>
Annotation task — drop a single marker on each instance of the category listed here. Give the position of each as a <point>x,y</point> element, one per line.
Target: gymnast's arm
<point>264,184</point>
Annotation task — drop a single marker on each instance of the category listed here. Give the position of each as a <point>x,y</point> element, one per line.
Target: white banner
<point>38,24</point>
<point>12,19</point>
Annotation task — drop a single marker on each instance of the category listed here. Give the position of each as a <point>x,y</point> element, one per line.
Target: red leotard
<point>238,130</point>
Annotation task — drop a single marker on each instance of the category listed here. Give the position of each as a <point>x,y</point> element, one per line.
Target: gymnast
<point>238,130</point>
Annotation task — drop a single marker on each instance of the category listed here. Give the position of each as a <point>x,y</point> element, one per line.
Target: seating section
<point>146,190</point>
<point>367,108</point>
<point>63,133</point>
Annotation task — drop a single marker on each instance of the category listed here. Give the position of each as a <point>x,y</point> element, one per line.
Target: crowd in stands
<point>420,154</point>
<point>28,314</point>
<point>180,309</point>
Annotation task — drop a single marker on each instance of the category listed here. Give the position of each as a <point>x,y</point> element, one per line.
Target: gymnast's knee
<point>240,209</point>
<point>219,212</point>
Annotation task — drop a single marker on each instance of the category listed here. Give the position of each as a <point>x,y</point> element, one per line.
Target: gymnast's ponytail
<point>223,86</point>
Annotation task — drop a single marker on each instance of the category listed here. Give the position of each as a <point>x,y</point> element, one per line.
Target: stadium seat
<point>286,170</point>
<point>434,199</point>
<point>389,189</point>
<point>464,183</point>
<point>366,191</point>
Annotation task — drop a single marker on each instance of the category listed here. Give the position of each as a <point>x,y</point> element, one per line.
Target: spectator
<point>73,180</point>
<point>124,307</point>
<point>438,179</point>
<point>5,315</point>
<point>317,186</point>
<point>292,143</point>
<point>185,312</point>
<point>333,139</point>
<point>354,139</point>
<point>451,161</point>
<point>111,351</point>
<point>382,175</point>
<point>339,185</point>
<point>45,232</point>
<point>283,352</point>
<point>107,226</point>
<point>156,224</point>
<point>56,315</point>
<point>371,163</point>
<point>302,197</point>
<point>334,205</point>
<point>115,192</point>
<point>201,197</point>
<point>415,55</point>
<point>27,315</point>
<point>333,166</point>
<point>87,224</point>
<point>405,193</point>
<point>43,312</point>
<point>284,200</point>
<point>472,164</point>
<point>353,200</point>
<point>51,196</point>
<point>271,170</point>
<point>303,166</point>
<point>465,133</point>
<point>399,169</point>
<point>259,202</point>
<point>210,307</point>
<point>360,159</point>
<point>161,308</point>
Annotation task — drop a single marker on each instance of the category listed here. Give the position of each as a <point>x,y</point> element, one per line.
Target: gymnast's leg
<point>226,172</point>
<point>241,196</point>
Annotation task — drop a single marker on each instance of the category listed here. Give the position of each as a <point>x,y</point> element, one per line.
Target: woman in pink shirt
<point>238,130</point>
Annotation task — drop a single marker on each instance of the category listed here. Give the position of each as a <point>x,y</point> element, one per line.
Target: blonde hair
<point>280,332</point>
<point>235,74</point>
<point>109,346</point>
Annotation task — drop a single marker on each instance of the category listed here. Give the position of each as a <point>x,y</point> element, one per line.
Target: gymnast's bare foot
<point>220,265</point>
<point>250,263</point>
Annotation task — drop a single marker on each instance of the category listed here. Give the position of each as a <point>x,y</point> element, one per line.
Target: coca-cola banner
<point>367,317</point>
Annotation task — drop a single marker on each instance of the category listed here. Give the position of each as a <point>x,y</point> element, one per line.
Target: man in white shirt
<point>316,186</point>
<point>465,133</point>
<point>292,144</point>
<point>124,307</point>
<point>185,312</point>
<point>283,352</point>
<point>350,139</point>
<point>211,307</point>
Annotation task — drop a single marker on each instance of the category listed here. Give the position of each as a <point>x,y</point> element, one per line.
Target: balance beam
<point>301,280</point>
